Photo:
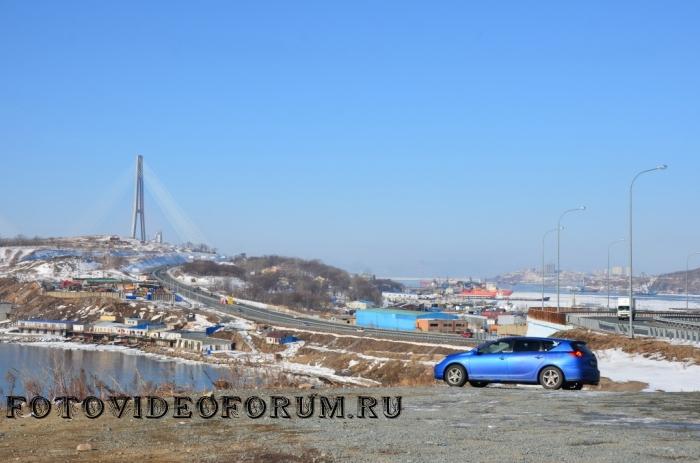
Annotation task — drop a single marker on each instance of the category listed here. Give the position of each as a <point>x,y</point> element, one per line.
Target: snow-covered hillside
<point>91,257</point>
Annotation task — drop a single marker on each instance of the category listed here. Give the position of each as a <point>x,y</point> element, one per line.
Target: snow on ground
<point>209,282</point>
<point>80,257</point>
<point>249,342</point>
<point>200,323</point>
<point>11,253</point>
<point>429,344</point>
<point>292,349</point>
<point>324,372</point>
<point>370,358</point>
<point>661,375</point>
<point>542,329</point>
<point>7,335</point>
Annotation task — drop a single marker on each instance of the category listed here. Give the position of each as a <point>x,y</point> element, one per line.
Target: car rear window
<point>527,345</point>
<point>548,345</point>
<point>580,345</point>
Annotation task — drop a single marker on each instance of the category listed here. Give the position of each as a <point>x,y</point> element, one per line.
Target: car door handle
<point>538,356</point>
<point>502,357</point>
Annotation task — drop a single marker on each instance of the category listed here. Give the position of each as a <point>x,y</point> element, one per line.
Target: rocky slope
<point>674,283</point>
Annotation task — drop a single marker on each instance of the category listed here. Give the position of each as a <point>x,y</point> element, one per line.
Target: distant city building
<point>550,268</point>
<point>389,298</point>
<point>619,271</point>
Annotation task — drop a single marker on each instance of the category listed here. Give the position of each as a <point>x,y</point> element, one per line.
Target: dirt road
<point>437,424</point>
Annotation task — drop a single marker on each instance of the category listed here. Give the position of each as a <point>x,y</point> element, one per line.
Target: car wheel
<point>551,378</point>
<point>455,375</point>
<point>577,386</point>
<point>478,383</point>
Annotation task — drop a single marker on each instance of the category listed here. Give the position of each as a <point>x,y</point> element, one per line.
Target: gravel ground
<point>494,424</point>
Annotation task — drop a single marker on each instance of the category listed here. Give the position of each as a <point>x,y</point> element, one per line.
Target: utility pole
<point>607,277</point>
<point>631,304</point>
<point>687,271</point>
<point>544,237</point>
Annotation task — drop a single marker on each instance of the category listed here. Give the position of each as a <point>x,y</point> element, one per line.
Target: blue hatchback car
<point>553,363</point>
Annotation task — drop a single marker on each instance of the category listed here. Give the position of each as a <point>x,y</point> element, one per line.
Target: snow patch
<point>661,375</point>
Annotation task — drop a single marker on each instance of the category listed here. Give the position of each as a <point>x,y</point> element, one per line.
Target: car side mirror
<point>477,352</point>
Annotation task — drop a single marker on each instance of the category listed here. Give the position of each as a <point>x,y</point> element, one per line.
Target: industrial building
<point>274,337</point>
<point>55,327</point>
<point>133,327</point>
<point>512,319</point>
<point>396,319</point>
<point>441,326</point>
<point>200,342</point>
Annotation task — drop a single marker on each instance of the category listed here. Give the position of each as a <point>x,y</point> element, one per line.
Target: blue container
<point>395,319</point>
<point>213,329</point>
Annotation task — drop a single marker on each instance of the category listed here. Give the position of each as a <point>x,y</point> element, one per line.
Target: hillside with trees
<point>293,282</point>
<point>674,283</point>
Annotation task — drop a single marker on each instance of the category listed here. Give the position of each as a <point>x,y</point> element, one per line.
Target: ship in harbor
<point>469,289</point>
<point>486,293</point>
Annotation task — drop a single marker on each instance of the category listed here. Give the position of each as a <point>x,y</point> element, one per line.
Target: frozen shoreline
<point>314,372</point>
<point>70,345</point>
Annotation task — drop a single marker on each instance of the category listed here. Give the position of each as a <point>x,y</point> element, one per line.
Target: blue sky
<point>404,138</point>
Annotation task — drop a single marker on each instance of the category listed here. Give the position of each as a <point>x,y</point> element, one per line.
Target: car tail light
<point>577,353</point>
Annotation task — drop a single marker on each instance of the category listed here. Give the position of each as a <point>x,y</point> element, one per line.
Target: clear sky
<point>404,138</point>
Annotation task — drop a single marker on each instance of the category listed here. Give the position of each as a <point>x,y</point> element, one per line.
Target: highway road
<point>274,318</point>
<point>680,326</point>
<point>648,321</point>
<point>659,321</point>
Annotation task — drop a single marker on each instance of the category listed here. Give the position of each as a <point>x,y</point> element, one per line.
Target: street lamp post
<point>582,208</point>
<point>631,302</point>
<point>608,275</point>
<point>543,272</point>
<point>687,270</point>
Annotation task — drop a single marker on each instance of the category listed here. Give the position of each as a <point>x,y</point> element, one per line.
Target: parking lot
<point>495,424</point>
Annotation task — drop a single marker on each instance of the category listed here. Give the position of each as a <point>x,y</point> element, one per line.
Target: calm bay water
<point>115,368</point>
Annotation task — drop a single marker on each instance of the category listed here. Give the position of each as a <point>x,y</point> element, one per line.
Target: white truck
<point>623,308</point>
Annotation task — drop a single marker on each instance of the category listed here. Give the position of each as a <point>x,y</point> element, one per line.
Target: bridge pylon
<point>138,201</point>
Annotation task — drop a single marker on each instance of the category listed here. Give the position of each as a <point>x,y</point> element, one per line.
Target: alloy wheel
<point>551,378</point>
<point>455,376</point>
